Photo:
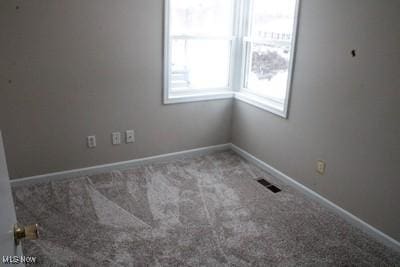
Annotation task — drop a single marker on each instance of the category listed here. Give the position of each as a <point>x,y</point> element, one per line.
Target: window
<point>199,48</point>
<point>268,53</point>
<point>220,48</point>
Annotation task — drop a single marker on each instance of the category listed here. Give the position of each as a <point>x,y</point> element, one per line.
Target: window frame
<point>242,19</point>
<point>199,94</point>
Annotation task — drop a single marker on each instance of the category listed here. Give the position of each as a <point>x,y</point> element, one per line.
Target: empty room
<point>200,132</point>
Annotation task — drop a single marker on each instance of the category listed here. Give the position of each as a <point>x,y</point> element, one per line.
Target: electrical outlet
<point>91,141</point>
<point>321,166</point>
<point>116,138</point>
<point>130,136</point>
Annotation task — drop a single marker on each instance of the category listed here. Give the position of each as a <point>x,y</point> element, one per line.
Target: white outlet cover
<point>91,141</point>
<point>321,166</point>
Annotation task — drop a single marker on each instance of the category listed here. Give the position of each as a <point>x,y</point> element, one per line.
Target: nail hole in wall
<point>353,53</point>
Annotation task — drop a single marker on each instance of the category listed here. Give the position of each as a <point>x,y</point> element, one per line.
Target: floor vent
<point>268,185</point>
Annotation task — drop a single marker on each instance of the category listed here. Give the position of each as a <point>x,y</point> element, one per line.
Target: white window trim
<point>237,66</point>
<point>200,96</point>
<point>262,103</point>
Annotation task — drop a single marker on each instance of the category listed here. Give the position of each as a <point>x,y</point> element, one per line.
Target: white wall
<point>344,110</point>
<point>78,68</point>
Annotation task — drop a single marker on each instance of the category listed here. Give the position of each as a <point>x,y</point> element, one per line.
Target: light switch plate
<point>130,136</point>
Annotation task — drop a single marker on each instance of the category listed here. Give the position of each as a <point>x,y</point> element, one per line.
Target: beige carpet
<point>204,211</point>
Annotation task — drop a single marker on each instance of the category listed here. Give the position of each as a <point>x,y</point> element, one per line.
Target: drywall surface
<point>74,68</point>
<point>344,110</point>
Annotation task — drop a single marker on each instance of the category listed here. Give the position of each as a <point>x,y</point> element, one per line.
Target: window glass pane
<point>268,61</point>
<point>273,19</point>
<point>268,70</point>
<point>201,17</point>
<point>199,64</point>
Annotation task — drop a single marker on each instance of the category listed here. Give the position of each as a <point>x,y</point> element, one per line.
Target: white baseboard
<point>350,218</point>
<point>116,166</point>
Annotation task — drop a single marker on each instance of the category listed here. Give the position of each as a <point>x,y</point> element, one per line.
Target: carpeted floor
<point>203,211</point>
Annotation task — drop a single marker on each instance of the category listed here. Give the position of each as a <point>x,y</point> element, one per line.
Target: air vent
<point>274,189</point>
<point>264,182</point>
<point>268,185</point>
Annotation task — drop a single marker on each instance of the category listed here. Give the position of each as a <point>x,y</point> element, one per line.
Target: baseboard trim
<point>350,218</point>
<point>116,166</point>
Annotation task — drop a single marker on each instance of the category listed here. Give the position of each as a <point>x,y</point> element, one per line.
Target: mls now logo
<point>19,259</point>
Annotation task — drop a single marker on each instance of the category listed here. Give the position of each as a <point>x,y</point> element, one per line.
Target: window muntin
<point>269,49</point>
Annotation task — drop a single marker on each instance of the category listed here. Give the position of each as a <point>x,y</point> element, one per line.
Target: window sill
<point>262,103</point>
<point>184,98</point>
<point>259,102</point>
